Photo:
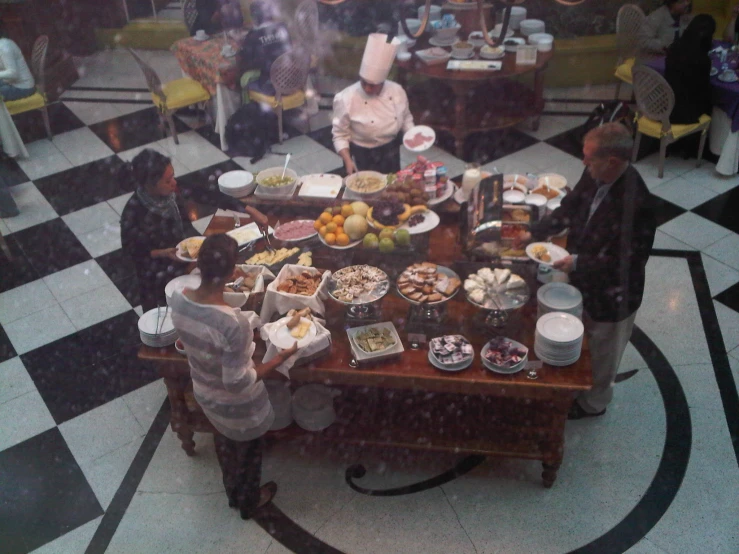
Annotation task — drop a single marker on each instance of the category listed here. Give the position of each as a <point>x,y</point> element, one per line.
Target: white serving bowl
<point>513,196</point>
<point>513,47</point>
<point>537,37</point>
<point>237,183</point>
<point>476,39</point>
<point>351,179</point>
<point>281,190</point>
<point>447,34</point>
<point>403,56</point>
<point>413,26</point>
<point>531,26</point>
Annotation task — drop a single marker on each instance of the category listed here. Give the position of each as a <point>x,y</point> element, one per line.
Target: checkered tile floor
<point>75,403</point>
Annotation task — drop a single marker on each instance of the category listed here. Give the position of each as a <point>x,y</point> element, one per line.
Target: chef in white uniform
<point>369,115</point>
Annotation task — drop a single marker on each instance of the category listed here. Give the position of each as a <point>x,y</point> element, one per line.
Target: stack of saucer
<point>559,297</point>
<point>156,328</point>
<point>237,183</point>
<point>558,339</point>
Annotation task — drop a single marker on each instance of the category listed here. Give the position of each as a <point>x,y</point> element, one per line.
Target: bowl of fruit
<point>342,226</point>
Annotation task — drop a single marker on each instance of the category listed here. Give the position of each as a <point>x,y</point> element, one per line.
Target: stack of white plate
<point>237,183</point>
<point>518,14</point>
<point>558,339</point>
<point>559,297</point>
<point>531,26</point>
<point>156,328</point>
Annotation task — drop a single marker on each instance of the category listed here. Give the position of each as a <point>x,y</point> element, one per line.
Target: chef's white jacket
<point>370,121</point>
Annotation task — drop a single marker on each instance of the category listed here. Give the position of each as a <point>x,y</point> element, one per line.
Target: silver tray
<point>378,292</point>
<point>444,271</point>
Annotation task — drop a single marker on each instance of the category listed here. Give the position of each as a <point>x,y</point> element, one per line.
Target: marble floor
<point>88,464</point>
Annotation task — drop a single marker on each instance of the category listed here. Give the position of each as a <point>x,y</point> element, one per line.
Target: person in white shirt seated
<point>369,115</point>
<point>663,26</point>
<point>16,79</point>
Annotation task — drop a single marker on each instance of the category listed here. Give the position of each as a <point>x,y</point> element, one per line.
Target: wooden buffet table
<point>482,100</point>
<point>408,403</point>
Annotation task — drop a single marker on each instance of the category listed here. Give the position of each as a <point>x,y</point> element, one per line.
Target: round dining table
<point>481,100</point>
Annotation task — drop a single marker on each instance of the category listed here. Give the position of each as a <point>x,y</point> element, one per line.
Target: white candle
<point>470,179</point>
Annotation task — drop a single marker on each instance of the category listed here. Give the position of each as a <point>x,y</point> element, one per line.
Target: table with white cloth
<point>12,143</point>
<point>203,62</point>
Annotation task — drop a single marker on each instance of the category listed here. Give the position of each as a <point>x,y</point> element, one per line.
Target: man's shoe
<point>266,494</point>
<point>576,412</point>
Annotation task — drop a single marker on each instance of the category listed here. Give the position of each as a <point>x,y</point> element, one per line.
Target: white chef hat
<point>378,58</point>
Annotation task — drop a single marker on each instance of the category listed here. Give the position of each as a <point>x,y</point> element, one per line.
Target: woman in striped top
<point>227,384</point>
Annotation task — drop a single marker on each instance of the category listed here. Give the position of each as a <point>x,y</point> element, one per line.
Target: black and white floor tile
<point>87,463</point>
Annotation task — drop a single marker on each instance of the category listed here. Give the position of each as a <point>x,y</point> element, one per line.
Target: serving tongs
<point>236,285</point>
<point>262,223</point>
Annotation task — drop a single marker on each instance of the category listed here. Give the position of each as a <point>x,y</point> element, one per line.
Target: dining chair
<point>629,22</point>
<point>190,14</point>
<point>655,100</point>
<point>288,75</point>
<point>171,96</point>
<point>37,101</point>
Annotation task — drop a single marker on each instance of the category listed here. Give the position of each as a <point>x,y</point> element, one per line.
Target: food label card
<point>474,65</point>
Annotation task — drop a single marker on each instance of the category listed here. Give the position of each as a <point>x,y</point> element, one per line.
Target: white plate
<point>450,189</point>
<point>450,367</point>
<point>281,337</point>
<point>728,77</point>
<point>427,132</point>
<point>191,281</point>
<point>559,296</point>
<point>559,327</point>
<point>434,41</point>
<point>238,181</point>
<point>462,56</point>
<point>554,203</point>
<point>321,185</point>
<point>552,180</point>
<point>513,196</point>
<point>203,39</point>
<point>361,355</point>
<point>182,257</point>
<point>536,200</point>
<point>431,221</point>
<point>714,71</point>
<point>312,234</point>
<point>148,322</point>
<point>556,252</point>
<point>336,247</point>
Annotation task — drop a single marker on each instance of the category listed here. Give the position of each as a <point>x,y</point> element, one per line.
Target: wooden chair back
<point>655,98</point>
<point>153,82</point>
<point>38,62</point>
<point>289,73</point>
<point>190,13</point>
<point>629,22</point>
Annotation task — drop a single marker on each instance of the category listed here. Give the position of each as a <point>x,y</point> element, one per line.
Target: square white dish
<point>247,233</point>
<point>323,185</point>
<point>362,356</point>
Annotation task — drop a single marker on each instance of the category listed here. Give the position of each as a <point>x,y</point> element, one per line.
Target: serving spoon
<point>284,169</point>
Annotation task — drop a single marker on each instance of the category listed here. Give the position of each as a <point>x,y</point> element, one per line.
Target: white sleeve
<point>10,68</point>
<point>407,116</point>
<point>341,123</point>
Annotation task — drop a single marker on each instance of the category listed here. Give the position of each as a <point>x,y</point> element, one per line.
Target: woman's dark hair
<point>217,258</point>
<point>147,168</point>
<point>697,39</point>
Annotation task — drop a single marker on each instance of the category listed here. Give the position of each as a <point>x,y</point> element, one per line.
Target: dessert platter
<point>497,292</point>
<point>451,353</point>
<point>359,287</point>
<point>427,287</point>
<point>502,355</point>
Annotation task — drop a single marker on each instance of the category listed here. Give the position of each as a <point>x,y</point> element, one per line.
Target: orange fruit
<point>339,220</point>
<point>347,210</point>
<point>322,231</point>
<point>318,224</point>
<point>330,238</point>
<point>331,227</point>
<point>339,230</point>
<point>326,217</point>
<point>342,239</point>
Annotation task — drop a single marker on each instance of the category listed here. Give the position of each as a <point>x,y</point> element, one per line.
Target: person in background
<point>612,224</point>
<point>688,70</point>
<point>663,26</point>
<point>227,384</point>
<point>263,45</point>
<point>16,79</point>
<point>731,32</point>
<point>369,115</point>
<point>153,222</point>
<point>209,17</point>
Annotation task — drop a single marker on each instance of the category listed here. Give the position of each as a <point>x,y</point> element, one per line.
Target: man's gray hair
<point>613,139</point>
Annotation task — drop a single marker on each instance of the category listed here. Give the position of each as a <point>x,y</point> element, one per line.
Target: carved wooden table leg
<point>552,449</point>
<point>179,418</point>
<point>186,438</point>
<point>549,474</point>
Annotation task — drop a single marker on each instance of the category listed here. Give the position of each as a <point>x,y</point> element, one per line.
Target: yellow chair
<point>628,25</point>
<point>288,75</point>
<point>171,96</point>
<point>655,100</point>
<point>37,101</point>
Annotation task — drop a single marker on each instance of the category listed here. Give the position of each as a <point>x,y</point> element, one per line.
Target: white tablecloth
<point>9,136</point>
<point>724,143</point>
<point>225,104</point>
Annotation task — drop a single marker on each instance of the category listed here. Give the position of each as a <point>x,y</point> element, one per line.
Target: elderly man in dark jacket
<point>611,225</point>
